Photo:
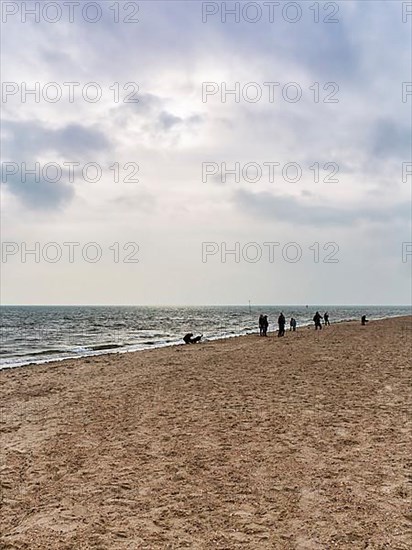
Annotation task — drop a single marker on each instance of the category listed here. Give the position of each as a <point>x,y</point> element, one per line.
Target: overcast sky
<point>338,111</point>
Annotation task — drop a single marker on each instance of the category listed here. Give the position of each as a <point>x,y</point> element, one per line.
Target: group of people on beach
<point>317,319</point>
<point>264,323</point>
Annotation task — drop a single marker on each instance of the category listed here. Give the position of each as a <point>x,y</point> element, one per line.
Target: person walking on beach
<point>281,323</point>
<point>317,320</point>
<point>265,324</point>
<point>293,324</point>
<point>326,318</point>
<point>261,324</point>
<point>363,320</point>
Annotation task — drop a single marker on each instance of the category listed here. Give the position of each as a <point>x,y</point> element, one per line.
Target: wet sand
<point>299,442</point>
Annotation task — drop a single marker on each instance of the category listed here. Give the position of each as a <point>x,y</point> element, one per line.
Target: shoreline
<point>119,350</point>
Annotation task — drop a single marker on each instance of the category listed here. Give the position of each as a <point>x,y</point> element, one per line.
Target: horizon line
<point>247,305</point>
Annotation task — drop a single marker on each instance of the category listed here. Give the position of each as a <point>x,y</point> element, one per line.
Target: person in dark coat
<point>261,324</point>
<point>317,320</point>
<point>265,325</point>
<point>281,324</point>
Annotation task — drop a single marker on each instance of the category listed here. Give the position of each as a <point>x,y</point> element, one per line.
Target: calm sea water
<point>37,334</point>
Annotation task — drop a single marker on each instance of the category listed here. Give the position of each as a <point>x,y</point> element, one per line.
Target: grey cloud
<point>151,110</point>
<point>42,195</point>
<point>27,139</point>
<point>167,120</point>
<point>342,59</point>
<point>290,209</point>
<point>145,103</point>
<point>390,139</point>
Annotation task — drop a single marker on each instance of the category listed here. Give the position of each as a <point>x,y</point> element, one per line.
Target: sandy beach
<point>299,442</point>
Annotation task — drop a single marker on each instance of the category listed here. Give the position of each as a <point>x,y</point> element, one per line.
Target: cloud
<point>167,120</point>
<point>42,195</point>
<point>25,140</point>
<point>289,209</point>
<point>391,139</point>
<point>28,141</point>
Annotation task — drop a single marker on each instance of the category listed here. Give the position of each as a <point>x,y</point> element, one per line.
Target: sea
<point>39,334</point>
